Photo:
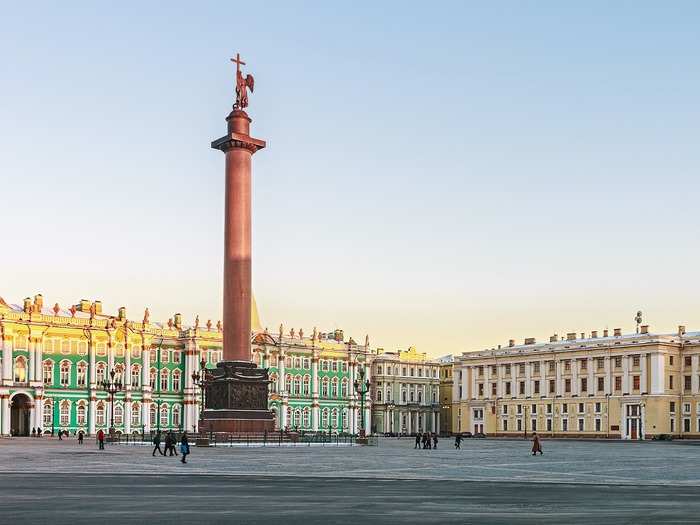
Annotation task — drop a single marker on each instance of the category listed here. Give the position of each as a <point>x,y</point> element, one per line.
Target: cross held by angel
<point>242,84</point>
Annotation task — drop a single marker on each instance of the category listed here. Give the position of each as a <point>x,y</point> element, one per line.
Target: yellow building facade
<point>633,386</point>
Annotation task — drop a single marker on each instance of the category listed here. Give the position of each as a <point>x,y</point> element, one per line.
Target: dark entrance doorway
<point>19,419</point>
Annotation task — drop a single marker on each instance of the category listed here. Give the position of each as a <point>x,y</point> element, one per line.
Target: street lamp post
<point>200,379</point>
<point>362,387</point>
<point>391,407</point>
<point>111,387</point>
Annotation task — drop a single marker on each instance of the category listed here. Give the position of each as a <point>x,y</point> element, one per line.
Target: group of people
<point>38,432</point>
<point>426,440</point>
<point>170,442</point>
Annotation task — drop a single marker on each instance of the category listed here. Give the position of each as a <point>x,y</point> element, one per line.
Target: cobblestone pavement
<point>488,481</point>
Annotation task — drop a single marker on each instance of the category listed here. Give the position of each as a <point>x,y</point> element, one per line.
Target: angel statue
<point>242,84</point>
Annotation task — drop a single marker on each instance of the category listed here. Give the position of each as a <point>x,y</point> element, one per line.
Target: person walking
<point>101,439</point>
<point>536,445</point>
<point>173,443</point>
<point>435,440</point>
<point>60,435</point>
<point>167,444</point>
<point>184,447</point>
<point>418,438</point>
<point>156,443</point>
<point>81,435</point>
<point>458,442</point>
<point>38,432</point>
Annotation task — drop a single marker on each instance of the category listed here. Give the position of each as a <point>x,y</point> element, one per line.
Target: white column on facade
<point>315,409</point>
<point>368,401</point>
<point>487,381</point>
<point>7,344</point>
<point>575,383</point>
<point>38,413</point>
<point>146,370</point>
<point>456,385</point>
<point>266,358</point>
<point>474,381</point>
<point>5,414</point>
<point>32,359</point>
<point>283,412</point>
<point>591,375</point>
<point>92,373</point>
<point>643,381</point>
<point>626,374</point>
<point>608,376</point>
<point>466,392</point>
<point>528,379</point>
<point>694,372</point>
<point>437,422</point>
<point>281,380</point>
<point>127,363</point>
<point>409,428</point>
<point>127,416</point>
<point>514,390</point>
<point>91,416</point>
<point>39,351</point>
<point>146,415</point>
<point>656,370</point>
<point>558,379</point>
<point>500,390</point>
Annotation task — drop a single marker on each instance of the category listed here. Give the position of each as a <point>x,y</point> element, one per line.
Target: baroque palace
<point>633,386</point>
<point>53,362</point>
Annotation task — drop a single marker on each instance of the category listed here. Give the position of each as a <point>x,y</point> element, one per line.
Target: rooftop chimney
<point>681,329</point>
<point>644,329</point>
<point>617,332</point>
<point>553,338</point>
<point>571,336</point>
<point>605,333</point>
<point>594,334</point>
<point>529,340</point>
<point>511,342</point>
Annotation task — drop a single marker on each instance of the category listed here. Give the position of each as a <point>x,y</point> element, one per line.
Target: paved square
<point>488,481</point>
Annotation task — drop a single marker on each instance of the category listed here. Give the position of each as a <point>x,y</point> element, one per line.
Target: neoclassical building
<point>54,360</point>
<point>629,386</point>
<point>313,379</point>
<point>405,392</point>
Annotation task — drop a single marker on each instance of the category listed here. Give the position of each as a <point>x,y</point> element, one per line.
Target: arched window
<point>324,387</point>
<point>388,394</point>
<point>334,418</point>
<point>379,395</point>
<point>135,376</point>
<point>288,384</point>
<point>305,418</point>
<point>20,370</point>
<point>81,413</point>
<point>297,362</point>
<point>344,388</point>
<point>379,369</point>
<point>345,419</point>
<point>273,383</point>
<point>118,415</point>
<point>119,373</point>
<point>176,416</point>
<point>289,416</point>
<point>64,415</point>
<point>297,385</point>
<point>297,418</point>
<point>434,397</point>
<point>306,386</point>
<point>100,372</point>
<point>153,415</point>
<point>164,380</point>
<point>152,377</point>
<point>176,381</point>
<point>135,414</point>
<point>403,395</point>
<point>334,387</point>
<point>324,418</point>
<point>48,372</point>
<point>275,415</point>
<point>48,413</point>
<point>81,377</point>
<point>288,362</point>
<point>100,414</point>
<point>164,416</point>
<point>420,396</point>
<point>65,373</point>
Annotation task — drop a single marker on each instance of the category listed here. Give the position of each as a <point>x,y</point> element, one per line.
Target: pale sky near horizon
<point>446,176</point>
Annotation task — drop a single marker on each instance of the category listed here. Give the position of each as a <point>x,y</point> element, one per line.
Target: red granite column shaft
<point>239,147</point>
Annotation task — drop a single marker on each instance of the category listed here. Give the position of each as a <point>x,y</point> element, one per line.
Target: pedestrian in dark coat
<point>418,438</point>
<point>81,434</point>
<point>173,442</point>
<point>458,441</point>
<point>38,432</point>
<point>435,440</point>
<point>184,447</point>
<point>101,439</point>
<point>156,443</point>
<point>536,445</point>
<point>60,435</point>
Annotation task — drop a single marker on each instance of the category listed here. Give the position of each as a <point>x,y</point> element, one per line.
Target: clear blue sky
<point>445,175</point>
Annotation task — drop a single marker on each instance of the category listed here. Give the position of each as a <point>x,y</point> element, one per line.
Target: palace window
<point>379,395</point>
<point>521,388</point>
<point>584,384</point>
<point>597,408</point>
<point>306,419</point>
<point>324,418</point>
<point>65,373</point>
<point>118,415</point>
<point>673,425</point>
<point>618,362</point>
<point>552,386</point>
<point>670,360</point>
<point>580,425</point>
<point>581,408</point>
<point>601,384</point>
<point>324,387</point>
<point>119,373</point>
<point>481,371</point>
<point>584,365</point>
<point>288,362</point>
<point>334,387</point>
<point>505,425</point>
<point>533,424</point>
<point>305,363</point>
<point>670,382</point>
<point>135,415</point>
<point>306,386</point>
<point>565,408</point>
<point>688,361</point>
<point>344,366</point>
<point>153,415</point>
<point>549,425</point>
<point>48,372</point>
<point>48,413</point>
<point>164,356</point>
<point>635,360</point>
<point>533,410</point>
<point>65,346</point>
<point>565,425</point>
<point>64,414</point>
<point>176,380</point>
<point>164,416</point>
<point>635,382</point>
<point>672,407</point>
<point>164,379</point>
<point>507,370</point>
<point>521,368</point>
<point>20,370</point>
<point>403,395</point>
<point>494,388</point>
<point>420,396</point>
<point>411,393</point>
<point>152,377</point>
<point>297,385</point>
<point>552,366</point>
<point>176,357</point>
<point>82,374</point>
<point>686,408</point>
<point>100,414</point>
<point>549,408</point>
<point>297,362</point>
<point>404,371</point>
<point>135,376</point>
<point>519,424</point>
<point>597,425</point>
<point>567,385</point>
<point>519,409</point>
<point>600,363</point>
<point>288,384</point>
<point>324,365</point>
<point>507,389</point>
<point>687,383</point>
<point>505,410</point>
<point>176,416</point>
<point>537,387</point>
<point>100,372</point>
<point>618,382</point>
<point>536,367</point>
<point>273,383</point>
<point>334,366</point>
<point>567,365</point>
<point>344,388</point>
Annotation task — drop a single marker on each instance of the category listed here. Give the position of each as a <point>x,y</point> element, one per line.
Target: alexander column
<point>236,391</point>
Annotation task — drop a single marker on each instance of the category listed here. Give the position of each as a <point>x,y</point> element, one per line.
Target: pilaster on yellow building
<point>631,386</point>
